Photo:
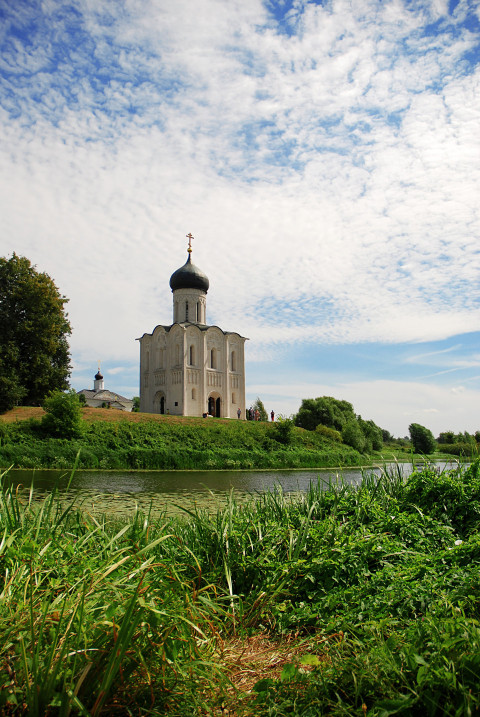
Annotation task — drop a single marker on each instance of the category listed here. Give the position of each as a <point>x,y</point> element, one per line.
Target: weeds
<point>346,601</point>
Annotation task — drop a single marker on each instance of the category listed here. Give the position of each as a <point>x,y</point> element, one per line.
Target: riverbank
<point>114,440</point>
<point>355,601</point>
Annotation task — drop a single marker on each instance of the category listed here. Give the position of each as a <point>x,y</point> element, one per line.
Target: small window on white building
<point>194,395</point>
<point>234,398</point>
<point>234,361</point>
<point>186,311</point>
<point>213,358</point>
<point>191,356</point>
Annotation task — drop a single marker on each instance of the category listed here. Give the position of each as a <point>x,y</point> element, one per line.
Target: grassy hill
<point>116,440</point>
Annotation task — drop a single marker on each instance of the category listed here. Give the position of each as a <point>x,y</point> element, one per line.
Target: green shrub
<point>63,415</point>
<point>329,433</point>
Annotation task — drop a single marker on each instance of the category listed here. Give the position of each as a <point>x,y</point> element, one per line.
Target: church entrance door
<point>159,403</point>
<point>214,406</point>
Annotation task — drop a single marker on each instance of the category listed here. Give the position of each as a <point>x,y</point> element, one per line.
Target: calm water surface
<point>120,492</point>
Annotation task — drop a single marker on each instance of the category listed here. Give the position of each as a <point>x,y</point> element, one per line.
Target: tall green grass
<point>381,583</point>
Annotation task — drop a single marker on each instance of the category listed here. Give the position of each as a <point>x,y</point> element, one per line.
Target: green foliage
<point>283,430</point>
<point>377,584</point>
<point>63,415</point>
<point>34,353</point>
<point>258,406</point>
<point>450,437</point>
<point>422,439</point>
<point>329,433</point>
<point>326,410</point>
<point>339,416</point>
<point>169,446</point>
<point>136,404</point>
<point>452,496</point>
<point>464,450</point>
<point>353,435</point>
<point>372,434</point>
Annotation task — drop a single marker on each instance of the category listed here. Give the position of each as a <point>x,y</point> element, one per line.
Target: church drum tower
<point>190,368</point>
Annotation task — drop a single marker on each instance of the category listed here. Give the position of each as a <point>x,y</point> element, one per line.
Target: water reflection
<point>118,493</point>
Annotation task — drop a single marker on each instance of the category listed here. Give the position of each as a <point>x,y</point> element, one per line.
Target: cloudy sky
<point>325,156</point>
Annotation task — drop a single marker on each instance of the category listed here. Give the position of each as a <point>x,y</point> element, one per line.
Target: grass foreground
<point>347,601</point>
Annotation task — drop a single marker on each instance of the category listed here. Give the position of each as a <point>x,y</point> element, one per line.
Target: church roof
<point>187,324</point>
<point>189,276</point>
<point>103,395</point>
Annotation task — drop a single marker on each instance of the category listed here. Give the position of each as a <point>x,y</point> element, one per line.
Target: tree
<point>353,435</point>
<point>34,352</point>
<point>326,411</point>
<point>372,433</point>
<point>446,437</point>
<point>258,406</point>
<point>422,438</point>
<point>63,415</point>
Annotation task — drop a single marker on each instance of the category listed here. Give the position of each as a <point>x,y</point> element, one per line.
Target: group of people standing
<point>253,414</point>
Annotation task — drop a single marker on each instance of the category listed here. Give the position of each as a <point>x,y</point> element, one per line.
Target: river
<point>118,493</point>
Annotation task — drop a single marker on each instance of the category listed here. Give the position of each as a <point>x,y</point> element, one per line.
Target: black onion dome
<point>98,376</point>
<point>189,276</point>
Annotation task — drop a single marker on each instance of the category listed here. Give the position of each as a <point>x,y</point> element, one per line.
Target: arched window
<point>177,354</point>
<point>213,358</point>
<point>191,356</point>
<point>186,311</point>
<point>194,394</point>
<point>234,361</point>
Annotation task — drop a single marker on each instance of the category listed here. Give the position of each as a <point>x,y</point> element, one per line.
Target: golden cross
<point>189,237</point>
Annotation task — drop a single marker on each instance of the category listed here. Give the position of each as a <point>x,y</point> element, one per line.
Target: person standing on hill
<point>272,415</point>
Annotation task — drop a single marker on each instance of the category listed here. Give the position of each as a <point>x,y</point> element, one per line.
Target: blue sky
<point>325,155</point>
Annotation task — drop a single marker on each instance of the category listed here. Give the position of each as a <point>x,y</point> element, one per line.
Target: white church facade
<point>190,368</point>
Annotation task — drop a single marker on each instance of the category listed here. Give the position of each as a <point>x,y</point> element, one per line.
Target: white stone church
<point>190,368</point>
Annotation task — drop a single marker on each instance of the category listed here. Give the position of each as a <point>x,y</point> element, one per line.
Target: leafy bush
<point>466,450</point>
<point>329,433</point>
<point>63,415</point>
<point>353,435</point>
<point>283,430</point>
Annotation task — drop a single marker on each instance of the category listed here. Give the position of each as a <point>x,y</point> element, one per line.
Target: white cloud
<point>329,173</point>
